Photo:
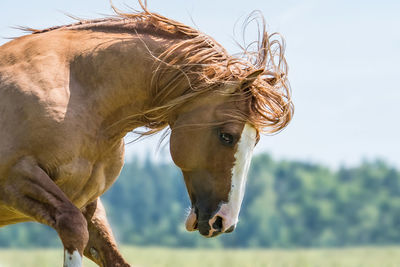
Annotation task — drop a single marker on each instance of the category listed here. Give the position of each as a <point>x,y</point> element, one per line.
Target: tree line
<point>287,204</point>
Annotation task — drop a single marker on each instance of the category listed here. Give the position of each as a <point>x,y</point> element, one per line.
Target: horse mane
<point>205,66</point>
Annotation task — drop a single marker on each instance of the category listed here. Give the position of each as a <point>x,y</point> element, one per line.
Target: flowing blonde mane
<point>205,66</point>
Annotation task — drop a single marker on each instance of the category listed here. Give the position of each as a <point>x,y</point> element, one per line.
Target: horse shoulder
<point>93,176</point>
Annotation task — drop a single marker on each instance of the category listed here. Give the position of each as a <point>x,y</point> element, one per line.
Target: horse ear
<point>250,78</point>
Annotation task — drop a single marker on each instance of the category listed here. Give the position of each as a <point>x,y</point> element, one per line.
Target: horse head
<point>213,148</point>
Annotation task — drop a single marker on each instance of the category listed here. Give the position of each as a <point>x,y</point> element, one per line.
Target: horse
<point>69,94</point>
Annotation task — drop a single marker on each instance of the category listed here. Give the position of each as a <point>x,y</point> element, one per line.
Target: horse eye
<point>226,139</point>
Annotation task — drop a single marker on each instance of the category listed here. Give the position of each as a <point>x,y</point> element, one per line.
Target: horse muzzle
<point>209,227</point>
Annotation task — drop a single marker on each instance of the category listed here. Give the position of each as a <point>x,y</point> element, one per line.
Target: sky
<point>343,59</point>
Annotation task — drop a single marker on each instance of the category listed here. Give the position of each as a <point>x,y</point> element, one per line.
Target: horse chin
<point>191,221</point>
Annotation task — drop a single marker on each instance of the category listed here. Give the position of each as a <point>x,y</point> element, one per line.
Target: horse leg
<point>101,248</point>
<point>30,191</point>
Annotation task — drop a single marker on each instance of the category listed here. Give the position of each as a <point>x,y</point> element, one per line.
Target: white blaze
<point>230,210</point>
<point>72,260</point>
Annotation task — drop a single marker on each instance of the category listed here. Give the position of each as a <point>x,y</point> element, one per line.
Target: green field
<point>149,257</point>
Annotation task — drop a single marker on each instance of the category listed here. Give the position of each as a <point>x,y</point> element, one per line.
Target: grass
<point>165,257</point>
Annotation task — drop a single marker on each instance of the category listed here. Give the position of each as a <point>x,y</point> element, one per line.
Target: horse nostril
<point>217,225</point>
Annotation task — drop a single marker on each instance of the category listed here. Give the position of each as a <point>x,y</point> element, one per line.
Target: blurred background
<point>330,179</point>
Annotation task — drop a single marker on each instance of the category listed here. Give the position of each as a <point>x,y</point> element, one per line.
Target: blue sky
<point>343,61</point>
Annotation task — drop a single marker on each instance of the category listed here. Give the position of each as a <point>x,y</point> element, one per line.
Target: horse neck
<point>117,70</point>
